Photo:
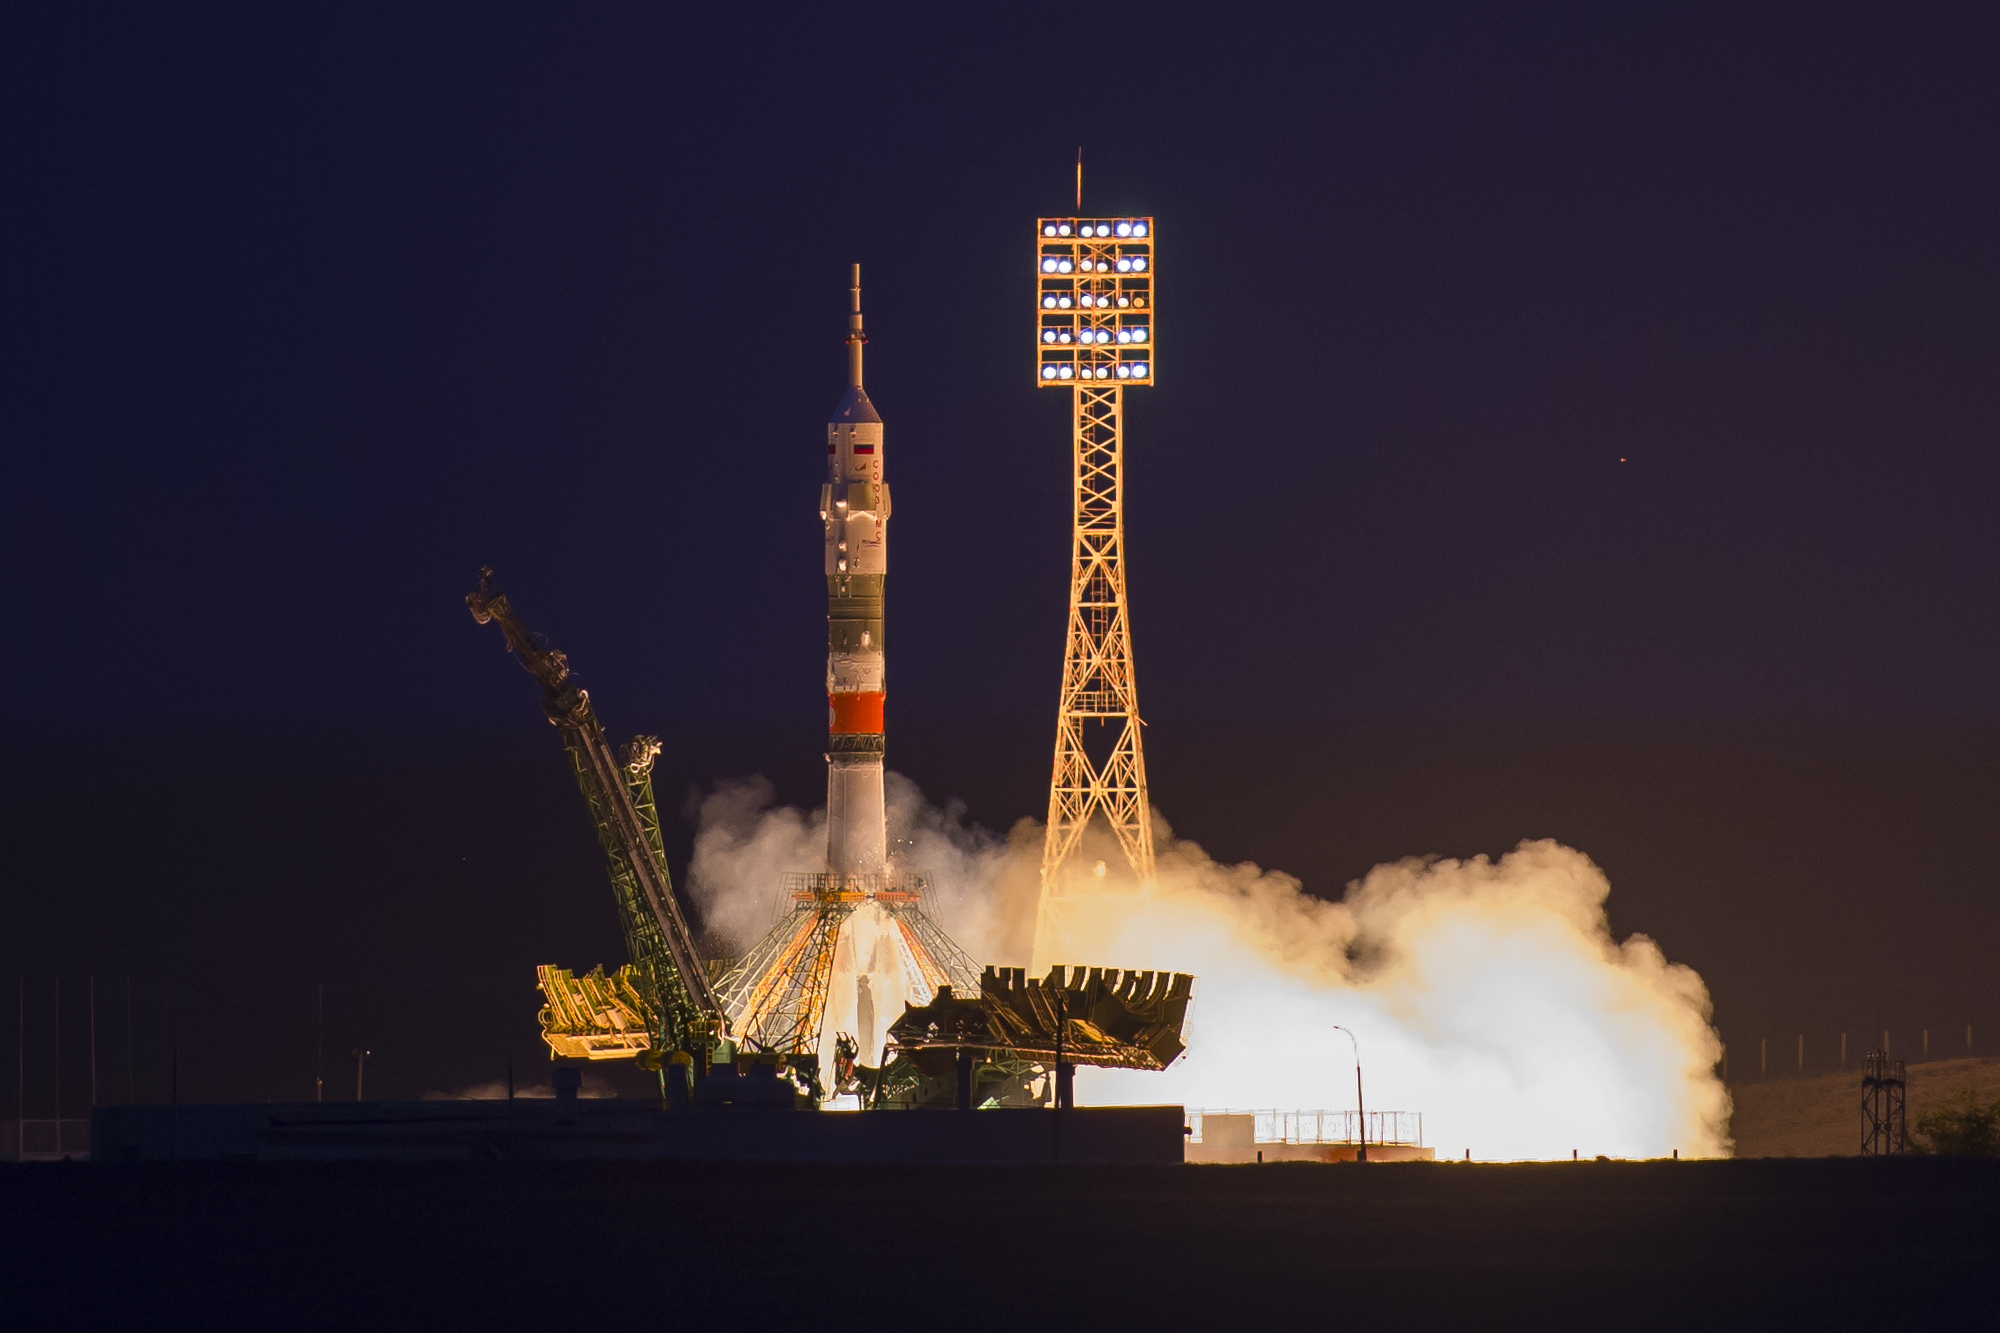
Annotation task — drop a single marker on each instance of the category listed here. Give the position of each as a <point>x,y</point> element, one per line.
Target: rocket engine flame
<point>1489,994</point>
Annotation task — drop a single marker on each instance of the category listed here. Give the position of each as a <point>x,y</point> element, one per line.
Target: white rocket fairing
<point>854,506</point>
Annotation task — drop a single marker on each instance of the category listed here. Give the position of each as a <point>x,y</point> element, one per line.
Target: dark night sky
<point>1529,377</point>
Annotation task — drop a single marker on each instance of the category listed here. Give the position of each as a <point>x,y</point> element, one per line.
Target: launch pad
<point>777,996</point>
<point>966,1038</point>
<point>524,1130</point>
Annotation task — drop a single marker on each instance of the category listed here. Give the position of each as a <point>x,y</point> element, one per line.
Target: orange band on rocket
<point>854,714</point>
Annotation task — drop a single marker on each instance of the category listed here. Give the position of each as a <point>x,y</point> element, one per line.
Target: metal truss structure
<point>776,997</point>
<point>1014,1042</point>
<point>1094,301</point>
<point>680,1009</point>
<point>594,1016</point>
<point>1101,1016</point>
<point>1883,1093</point>
<point>1095,335</point>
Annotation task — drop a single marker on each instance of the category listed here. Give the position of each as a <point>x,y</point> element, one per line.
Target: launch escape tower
<point>1095,336</point>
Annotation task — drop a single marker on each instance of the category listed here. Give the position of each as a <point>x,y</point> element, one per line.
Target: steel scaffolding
<point>668,989</point>
<point>1882,1102</point>
<point>1096,335</point>
<point>776,997</point>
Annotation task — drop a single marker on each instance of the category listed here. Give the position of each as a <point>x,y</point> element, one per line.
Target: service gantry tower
<point>1095,336</point>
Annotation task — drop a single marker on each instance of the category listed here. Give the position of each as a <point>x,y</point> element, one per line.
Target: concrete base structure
<point>553,1130</point>
<point>1232,1139</point>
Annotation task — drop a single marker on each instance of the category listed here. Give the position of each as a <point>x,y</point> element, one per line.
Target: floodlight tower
<point>1095,336</point>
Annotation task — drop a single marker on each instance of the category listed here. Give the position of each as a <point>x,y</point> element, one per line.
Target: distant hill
<point>1820,1116</point>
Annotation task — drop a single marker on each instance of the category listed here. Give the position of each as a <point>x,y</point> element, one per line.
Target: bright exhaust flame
<point>1489,995</point>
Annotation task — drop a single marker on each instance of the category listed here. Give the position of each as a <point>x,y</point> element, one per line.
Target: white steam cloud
<point>1488,995</point>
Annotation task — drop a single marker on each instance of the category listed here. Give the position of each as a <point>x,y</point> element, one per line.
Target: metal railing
<point>797,888</point>
<point>29,1140</point>
<point>1384,1127</point>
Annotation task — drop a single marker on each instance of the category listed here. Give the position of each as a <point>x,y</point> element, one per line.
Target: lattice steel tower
<point>1095,337</point>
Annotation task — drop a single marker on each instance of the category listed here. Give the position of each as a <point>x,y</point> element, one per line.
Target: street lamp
<point>361,1066</point>
<point>1360,1109</point>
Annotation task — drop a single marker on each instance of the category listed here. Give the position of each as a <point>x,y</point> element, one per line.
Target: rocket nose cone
<point>853,408</point>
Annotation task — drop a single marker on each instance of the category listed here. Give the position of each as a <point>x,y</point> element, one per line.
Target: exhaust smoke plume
<point>1489,995</point>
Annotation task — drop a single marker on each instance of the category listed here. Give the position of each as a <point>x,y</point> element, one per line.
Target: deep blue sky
<point>311,312</point>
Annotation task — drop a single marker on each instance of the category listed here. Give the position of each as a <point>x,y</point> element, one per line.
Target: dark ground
<point>1905,1243</point>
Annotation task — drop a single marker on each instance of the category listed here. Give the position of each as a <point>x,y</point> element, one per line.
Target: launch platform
<point>545,1129</point>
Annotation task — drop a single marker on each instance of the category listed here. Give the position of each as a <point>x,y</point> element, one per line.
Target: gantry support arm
<point>656,933</point>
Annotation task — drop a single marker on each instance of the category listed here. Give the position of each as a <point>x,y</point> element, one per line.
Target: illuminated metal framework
<point>1883,1090</point>
<point>1095,335</point>
<point>594,1016</point>
<point>1104,1016</point>
<point>776,996</point>
<point>1095,296</point>
<point>664,987</point>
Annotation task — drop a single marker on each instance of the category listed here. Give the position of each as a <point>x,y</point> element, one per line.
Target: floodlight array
<point>1075,226</point>
<point>1094,296</point>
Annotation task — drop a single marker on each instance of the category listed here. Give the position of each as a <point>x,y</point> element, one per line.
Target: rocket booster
<point>854,507</point>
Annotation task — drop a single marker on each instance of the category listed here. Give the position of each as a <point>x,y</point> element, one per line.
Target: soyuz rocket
<point>854,507</point>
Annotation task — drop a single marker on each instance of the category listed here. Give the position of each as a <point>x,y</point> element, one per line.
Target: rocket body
<point>854,508</point>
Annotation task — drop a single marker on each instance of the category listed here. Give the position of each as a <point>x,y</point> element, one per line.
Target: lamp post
<point>1360,1108</point>
<point>361,1066</point>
